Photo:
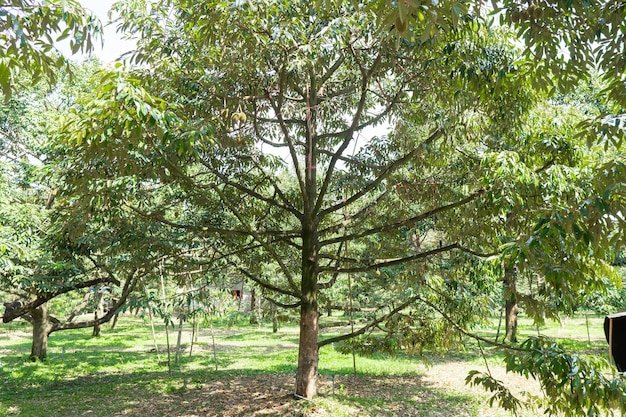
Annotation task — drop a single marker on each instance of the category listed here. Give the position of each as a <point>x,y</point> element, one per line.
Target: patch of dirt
<point>262,395</point>
<point>272,395</point>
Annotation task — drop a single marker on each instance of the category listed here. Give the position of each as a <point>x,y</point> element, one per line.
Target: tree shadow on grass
<point>194,394</point>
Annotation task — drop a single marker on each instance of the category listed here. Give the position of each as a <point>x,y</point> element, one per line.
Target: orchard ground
<point>120,374</point>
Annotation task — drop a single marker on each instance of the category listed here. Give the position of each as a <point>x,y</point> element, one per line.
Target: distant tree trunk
<point>96,327</point>
<point>252,299</point>
<point>97,311</point>
<point>41,330</point>
<point>79,308</point>
<point>499,324</point>
<point>275,322</point>
<point>194,334</point>
<point>254,319</point>
<point>511,309</point>
<point>181,319</point>
<point>240,298</point>
<point>274,318</point>
<point>213,339</point>
<point>114,320</point>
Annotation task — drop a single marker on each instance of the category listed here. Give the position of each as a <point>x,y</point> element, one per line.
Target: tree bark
<point>114,322</point>
<point>41,330</point>
<point>511,321</point>
<point>308,352</point>
<point>96,326</point>
<point>511,308</point>
<point>98,311</point>
<point>308,349</point>
<point>274,321</point>
<point>181,320</point>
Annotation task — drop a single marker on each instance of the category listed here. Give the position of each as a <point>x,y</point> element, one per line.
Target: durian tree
<point>317,142</point>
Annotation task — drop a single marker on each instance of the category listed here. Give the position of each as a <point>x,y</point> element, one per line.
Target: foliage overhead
<point>29,34</point>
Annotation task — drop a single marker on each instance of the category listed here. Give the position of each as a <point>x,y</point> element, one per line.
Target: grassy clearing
<point>119,374</point>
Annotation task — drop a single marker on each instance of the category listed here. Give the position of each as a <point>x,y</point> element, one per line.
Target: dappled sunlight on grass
<point>120,373</point>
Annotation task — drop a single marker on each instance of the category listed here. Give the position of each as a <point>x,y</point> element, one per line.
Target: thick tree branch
<point>271,201</point>
<point>283,305</point>
<point>401,307</point>
<point>369,326</point>
<point>391,262</point>
<point>466,332</point>
<point>346,221</point>
<point>216,230</point>
<point>287,136</point>
<point>262,283</point>
<point>17,309</point>
<point>370,122</point>
<point>406,222</point>
<point>256,236</point>
<point>277,189</point>
<point>386,173</point>
<point>332,281</point>
<point>351,161</point>
<point>348,136</point>
<point>129,286</point>
<point>333,69</point>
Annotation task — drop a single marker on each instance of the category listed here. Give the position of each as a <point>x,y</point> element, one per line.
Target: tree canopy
<point>410,146</point>
<point>321,141</point>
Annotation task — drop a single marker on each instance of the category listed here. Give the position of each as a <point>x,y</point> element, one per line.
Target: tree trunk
<point>511,321</point>
<point>98,311</point>
<point>306,377</point>
<point>253,300</point>
<point>96,327</point>
<point>511,309</point>
<point>275,322</point>
<point>41,330</point>
<point>114,322</point>
<point>308,349</point>
<point>79,308</point>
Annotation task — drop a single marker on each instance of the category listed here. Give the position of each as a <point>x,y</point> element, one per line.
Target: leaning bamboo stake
<point>156,345</point>
<point>351,307</point>
<point>154,339</point>
<point>194,324</point>
<point>213,339</point>
<point>181,319</point>
<point>352,324</point>
<point>167,333</point>
<point>178,341</point>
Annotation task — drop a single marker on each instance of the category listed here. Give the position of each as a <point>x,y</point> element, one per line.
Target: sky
<point>114,46</point>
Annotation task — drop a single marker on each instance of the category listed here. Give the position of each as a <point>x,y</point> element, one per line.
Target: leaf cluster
<point>29,32</point>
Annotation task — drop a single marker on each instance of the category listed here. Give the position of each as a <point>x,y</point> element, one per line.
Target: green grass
<point>120,374</point>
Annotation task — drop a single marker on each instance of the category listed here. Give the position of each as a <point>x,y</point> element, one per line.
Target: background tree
<point>45,256</point>
<point>226,88</point>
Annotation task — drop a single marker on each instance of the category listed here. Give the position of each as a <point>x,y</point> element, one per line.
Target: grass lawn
<point>120,374</point>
